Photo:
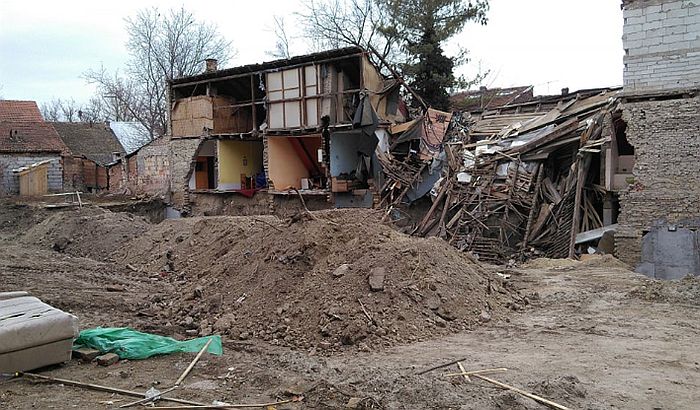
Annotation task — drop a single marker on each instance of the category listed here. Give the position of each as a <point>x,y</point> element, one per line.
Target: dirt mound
<point>342,278</point>
<point>89,232</point>
<point>567,388</point>
<point>16,218</point>
<point>684,291</point>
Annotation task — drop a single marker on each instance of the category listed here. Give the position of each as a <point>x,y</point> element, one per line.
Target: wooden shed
<point>33,179</point>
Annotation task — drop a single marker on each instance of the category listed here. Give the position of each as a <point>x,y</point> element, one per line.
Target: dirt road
<point>594,336</point>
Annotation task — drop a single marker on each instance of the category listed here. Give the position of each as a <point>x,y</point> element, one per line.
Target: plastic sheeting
<point>130,344</point>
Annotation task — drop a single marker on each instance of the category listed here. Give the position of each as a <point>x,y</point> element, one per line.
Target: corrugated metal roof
<point>132,135</point>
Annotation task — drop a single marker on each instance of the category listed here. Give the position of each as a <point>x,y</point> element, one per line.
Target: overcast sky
<point>45,46</point>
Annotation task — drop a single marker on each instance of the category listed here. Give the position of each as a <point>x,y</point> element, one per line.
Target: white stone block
<point>651,25</point>
<point>632,28</point>
<point>652,9</point>
<point>655,16</point>
<point>677,13</point>
<point>671,5</point>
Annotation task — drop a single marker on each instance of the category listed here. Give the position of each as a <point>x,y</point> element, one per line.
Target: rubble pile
<point>316,281</point>
<point>509,183</point>
<point>89,232</point>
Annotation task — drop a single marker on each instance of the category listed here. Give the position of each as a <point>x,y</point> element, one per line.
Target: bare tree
<point>69,110</point>
<point>95,110</point>
<point>279,29</point>
<point>161,47</point>
<point>51,110</point>
<point>342,23</point>
<point>58,109</point>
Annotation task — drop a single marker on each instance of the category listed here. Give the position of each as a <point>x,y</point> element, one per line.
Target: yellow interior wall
<point>231,155</point>
<point>285,167</point>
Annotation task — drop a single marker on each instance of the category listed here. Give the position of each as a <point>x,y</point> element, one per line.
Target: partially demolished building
<point>660,214</point>
<point>308,124</point>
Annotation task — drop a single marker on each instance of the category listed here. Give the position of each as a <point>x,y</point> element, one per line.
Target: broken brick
<point>107,359</point>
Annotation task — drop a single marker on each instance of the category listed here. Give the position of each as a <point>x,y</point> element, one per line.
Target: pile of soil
<point>90,232</point>
<point>685,291</point>
<point>16,218</point>
<point>315,281</point>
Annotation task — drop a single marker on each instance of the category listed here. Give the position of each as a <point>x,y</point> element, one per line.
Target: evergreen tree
<point>424,25</point>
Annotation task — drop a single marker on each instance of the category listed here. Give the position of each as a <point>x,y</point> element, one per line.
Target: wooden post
<point>583,161</point>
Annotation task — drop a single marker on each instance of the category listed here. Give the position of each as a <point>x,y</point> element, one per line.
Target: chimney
<point>565,91</point>
<point>211,65</point>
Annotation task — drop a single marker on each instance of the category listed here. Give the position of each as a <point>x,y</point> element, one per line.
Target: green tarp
<point>130,344</point>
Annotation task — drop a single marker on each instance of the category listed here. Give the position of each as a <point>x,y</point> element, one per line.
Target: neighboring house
<point>132,135</point>
<point>309,123</point>
<point>93,145</point>
<point>94,141</point>
<point>476,101</point>
<point>26,139</point>
<point>659,215</point>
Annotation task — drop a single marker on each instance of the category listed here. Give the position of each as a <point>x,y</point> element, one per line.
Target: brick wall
<point>666,138</point>
<point>9,182</point>
<point>182,150</point>
<point>153,167</point>
<point>662,44</point>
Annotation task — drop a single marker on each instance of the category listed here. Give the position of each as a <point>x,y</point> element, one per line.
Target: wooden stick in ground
<point>473,372</point>
<point>303,203</point>
<point>194,361</point>
<point>464,372</point>
<point>268,224</point>
<point>366,312</point>
<point>440,366</point>
<point>534,397</point>
<point>103,388</point>
<point>229,406</point>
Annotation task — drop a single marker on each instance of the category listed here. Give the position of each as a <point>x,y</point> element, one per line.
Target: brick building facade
<point>662,112</point>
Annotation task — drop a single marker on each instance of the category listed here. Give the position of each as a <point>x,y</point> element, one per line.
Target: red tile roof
<point>23,130</point>
<point>11,110</point>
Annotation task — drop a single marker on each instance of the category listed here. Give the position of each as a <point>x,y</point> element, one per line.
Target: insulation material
<point>194,114</point>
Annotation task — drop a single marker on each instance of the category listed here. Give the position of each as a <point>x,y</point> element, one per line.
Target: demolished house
<point>505,183</point>
<point>520,180</point>
<point>308,124</point>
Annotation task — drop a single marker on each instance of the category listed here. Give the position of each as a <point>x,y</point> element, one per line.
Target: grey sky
<point>45,46</point>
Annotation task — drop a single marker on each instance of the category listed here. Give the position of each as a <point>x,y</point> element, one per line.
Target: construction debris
<point>509,184</point>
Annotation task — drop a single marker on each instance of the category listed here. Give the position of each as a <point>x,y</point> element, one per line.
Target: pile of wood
<point>516,185</point>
